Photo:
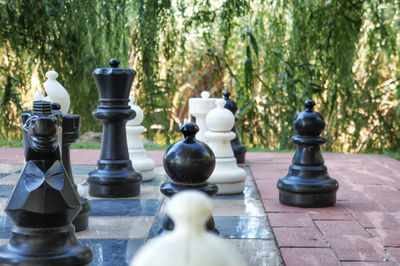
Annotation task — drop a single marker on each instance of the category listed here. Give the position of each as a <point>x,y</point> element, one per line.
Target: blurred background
<point>271,55</point>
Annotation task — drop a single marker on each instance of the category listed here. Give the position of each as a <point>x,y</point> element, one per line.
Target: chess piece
<point>227,175</point>
<point>189,244</point>
<point>114,176</point>
<point>188,163</point>
<point>239,150</point>
<point>70,133</point>
<point>44,202</point>
<point>308,184</point>
<point>137,153</point>
<point>199,107</point>
<point>56,92</point>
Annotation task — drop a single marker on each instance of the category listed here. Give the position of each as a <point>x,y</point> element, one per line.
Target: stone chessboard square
<point>119,227</point>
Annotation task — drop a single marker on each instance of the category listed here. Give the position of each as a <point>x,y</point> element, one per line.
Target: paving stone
<point>341,228</point>
<point>274,205</point>
<point>358,248</point>
<point>290,220</point>
<point>309,256</point>
<point>267,189</point>
<point>337,212</point>
<point>387,237</point>
<point>395,252</point>
<point>378,219</point>
<point>299,237</point>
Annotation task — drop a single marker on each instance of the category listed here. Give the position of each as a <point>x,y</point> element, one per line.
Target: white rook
<point>199,107</point>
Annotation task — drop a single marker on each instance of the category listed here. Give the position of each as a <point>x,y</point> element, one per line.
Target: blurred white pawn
<point>137,153</point>
<point>188,244</point>
<point>55,92</point>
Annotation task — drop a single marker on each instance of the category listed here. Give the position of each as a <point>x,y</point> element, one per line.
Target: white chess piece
<point>199,107</point>
<point>189,244</point>
<point>56,92</point>
<point>227,175</point>
<point>137,153</point>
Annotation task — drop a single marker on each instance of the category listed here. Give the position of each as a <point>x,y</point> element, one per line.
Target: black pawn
<point>188,163</point>
<point>239,150</point>
<point>114,176</point>
<point>308,184</point>
<point>71,125</point>
<point>44,202</point>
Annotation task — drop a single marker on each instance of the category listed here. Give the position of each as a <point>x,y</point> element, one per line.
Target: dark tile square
<point>156,226</point>
<point>3,175</point>
<point>243,227</point>
<point>5,191</point>
<point>5,227</point>
<point>125,207</point>
<point>82,170</point>
<point>112,252</point>
<point>157,181</point>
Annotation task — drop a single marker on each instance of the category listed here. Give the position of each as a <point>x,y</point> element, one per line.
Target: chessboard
<point>119,227</point>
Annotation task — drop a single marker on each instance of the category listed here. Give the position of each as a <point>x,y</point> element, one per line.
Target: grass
<point>76,145</point>
<point>97,145</point>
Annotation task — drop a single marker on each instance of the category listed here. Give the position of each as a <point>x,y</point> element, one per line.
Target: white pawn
<point>199,107</point>
<point>56,92</point>
<point>189,244</point>
<point>137,153</point>
<point>227,175</point>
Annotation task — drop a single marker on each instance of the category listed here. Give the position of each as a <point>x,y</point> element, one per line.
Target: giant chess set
<point>127,210</point>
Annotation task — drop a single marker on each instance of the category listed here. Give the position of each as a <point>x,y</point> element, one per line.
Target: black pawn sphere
<point>239,150</point>
<point>188,163</point>
<point>114,176</point>
<point>44,202</point>
<point>308,184</point>
<point>71,126</point>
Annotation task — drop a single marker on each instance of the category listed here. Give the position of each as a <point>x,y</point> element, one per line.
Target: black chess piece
<point>70,133</point>
<point>308,184</point>
<point>188,163</point>
<point>44,202</point>
<point>239,150</point>
<point>114,176</point>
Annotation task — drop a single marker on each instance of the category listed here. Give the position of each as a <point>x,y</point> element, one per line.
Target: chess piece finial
<point>205,94</point>
<point>113,62</point>
<point>56,92</point>
<point>137,153</point>
<point>227,175</point>
<point>189,244</point>
<point>309,123</point>
<point>114,176</point>
<point>189,131</point>
<point>44,202</point>
<point>307,183</point>
<point>188,164</point>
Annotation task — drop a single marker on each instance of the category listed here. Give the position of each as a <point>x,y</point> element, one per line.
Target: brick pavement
<point>363,228</point>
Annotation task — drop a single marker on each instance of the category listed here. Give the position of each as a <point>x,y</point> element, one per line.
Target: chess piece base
<point>52,246</point>
<point>169,189</point>
<point>114,179</point>
<point>228,176</point>
<point>81,221</point>
<point>308,186</point>
<point>142,163</point>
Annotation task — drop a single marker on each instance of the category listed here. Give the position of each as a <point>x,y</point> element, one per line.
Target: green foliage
<point>271,55</point>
